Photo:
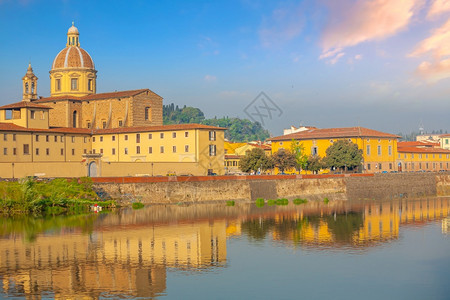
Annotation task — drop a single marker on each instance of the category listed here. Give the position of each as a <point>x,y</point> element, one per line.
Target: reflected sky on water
<point>342,250</point>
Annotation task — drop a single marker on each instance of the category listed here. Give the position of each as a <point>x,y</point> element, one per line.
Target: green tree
<point>315,163</point>
<point>298,150</point>
<point>284,160</point>
<point>343,154</point>
<point>254,160</point>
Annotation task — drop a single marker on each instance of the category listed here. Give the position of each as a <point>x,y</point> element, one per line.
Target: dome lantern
<point>73,36</point>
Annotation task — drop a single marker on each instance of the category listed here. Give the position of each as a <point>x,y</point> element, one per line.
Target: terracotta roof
<point>445,135</point>
<point>73,57</point>
<point>120,94</point>
<point>22,104</point>
<point>232,156</point>
<point>418,144</point>
<point>156,128</point>
<point>421,150</point>
<point>264,147</point>
<point>13,127</point>
<point>327,133</point>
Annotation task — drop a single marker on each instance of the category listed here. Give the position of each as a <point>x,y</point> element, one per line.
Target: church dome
<point>73,57</point>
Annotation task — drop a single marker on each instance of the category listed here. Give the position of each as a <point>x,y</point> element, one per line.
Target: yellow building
<point>235,151</point>
<point>422,156</point>
<point>379,148</point>
<point>76,132</point>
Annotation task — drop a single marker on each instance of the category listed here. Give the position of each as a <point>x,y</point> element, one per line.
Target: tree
<point>314,163</point>
<point>284,160</point>
<point>254,160</point>
<point>343,154</point>
<point>298,150</point>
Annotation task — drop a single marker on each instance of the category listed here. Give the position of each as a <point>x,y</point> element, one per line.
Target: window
<point>46,138</point>
<point>138,149</point>
<point>186,148</point>
<point>42,115</point>
<point>90,88</point>
<point>47,151</point>
<point>37,137</point>
<point>101,139</point>
<point>5,151</point>
<point>161,135</point>
<point>405,155</point>
<point>440,155</point>
<point>150,136</point>
<point>186,134</point>
<point>5,137</point>
<point>120,123</point>
<point>150,150</point>
<point>174,134</point>
<point>446,141</point>
<point>426,155</point>
<point>147,113</point>
<point>93,151</point>
<point>85,140</point>
<point>84,151</point>
<point>161,149</point>
<point>399,155</point>
<point>390,166</point>
<point>126,137</point>
<point>62,151</point>
<point>379,166</point>
<point>14,139</point>
<point>212,150</point>
<point>368,150</point>
<point>390,150</point>
<point>379,150</point>
<point>73,151</point>
<point>412,155</point>
<point>37,151</point>
<point>420,155</point>
<point>412,166</point>
<point>26,149</point>
<point>212,135</point>
<point>314,151</point>
<point>93,138</point>
<point>103,124</point>
<point>174,149</point>
<point>138,138</point>
<point>58,85</point>
<point>113,138</point>
<point>113,151</point>
<point>420,165</point>
<point>32,114</point>
<point>126,150</point>
<point>73,139</point>
<point>74,119</point>
<point>101,151</point>
<point>433,155</point>
<point>14,151</point>
<point>74,84</point>
<point>89,124</point>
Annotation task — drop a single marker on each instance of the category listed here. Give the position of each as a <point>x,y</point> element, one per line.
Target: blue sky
<point>380,64</point>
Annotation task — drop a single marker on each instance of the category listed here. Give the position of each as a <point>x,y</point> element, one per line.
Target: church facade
<point>77,132</point>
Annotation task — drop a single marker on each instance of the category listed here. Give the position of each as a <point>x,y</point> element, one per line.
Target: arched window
<point>74,119</point>
<point>147,114</point>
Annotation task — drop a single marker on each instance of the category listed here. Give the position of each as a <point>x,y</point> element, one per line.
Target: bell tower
<point>29,85</point>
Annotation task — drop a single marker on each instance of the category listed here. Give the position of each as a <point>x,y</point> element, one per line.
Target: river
<point>398,249</point>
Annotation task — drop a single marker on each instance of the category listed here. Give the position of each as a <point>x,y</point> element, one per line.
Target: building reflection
<point>364,226</point>
<point>128,254</point>
<point>129,262</point>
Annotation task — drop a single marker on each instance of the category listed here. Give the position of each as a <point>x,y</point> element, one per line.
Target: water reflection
<point>128,253</point>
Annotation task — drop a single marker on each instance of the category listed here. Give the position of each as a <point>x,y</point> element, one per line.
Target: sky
<point>380,64</point>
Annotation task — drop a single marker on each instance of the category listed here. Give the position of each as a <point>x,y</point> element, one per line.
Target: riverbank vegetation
<point>29,196</point>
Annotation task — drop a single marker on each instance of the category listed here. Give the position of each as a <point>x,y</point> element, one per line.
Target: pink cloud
<point>434,71</point>
<point>438,7</point>
<point>354,23</point>
<point>437,45</point>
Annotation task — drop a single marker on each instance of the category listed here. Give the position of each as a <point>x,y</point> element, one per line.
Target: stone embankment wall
<point>248,188</point>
